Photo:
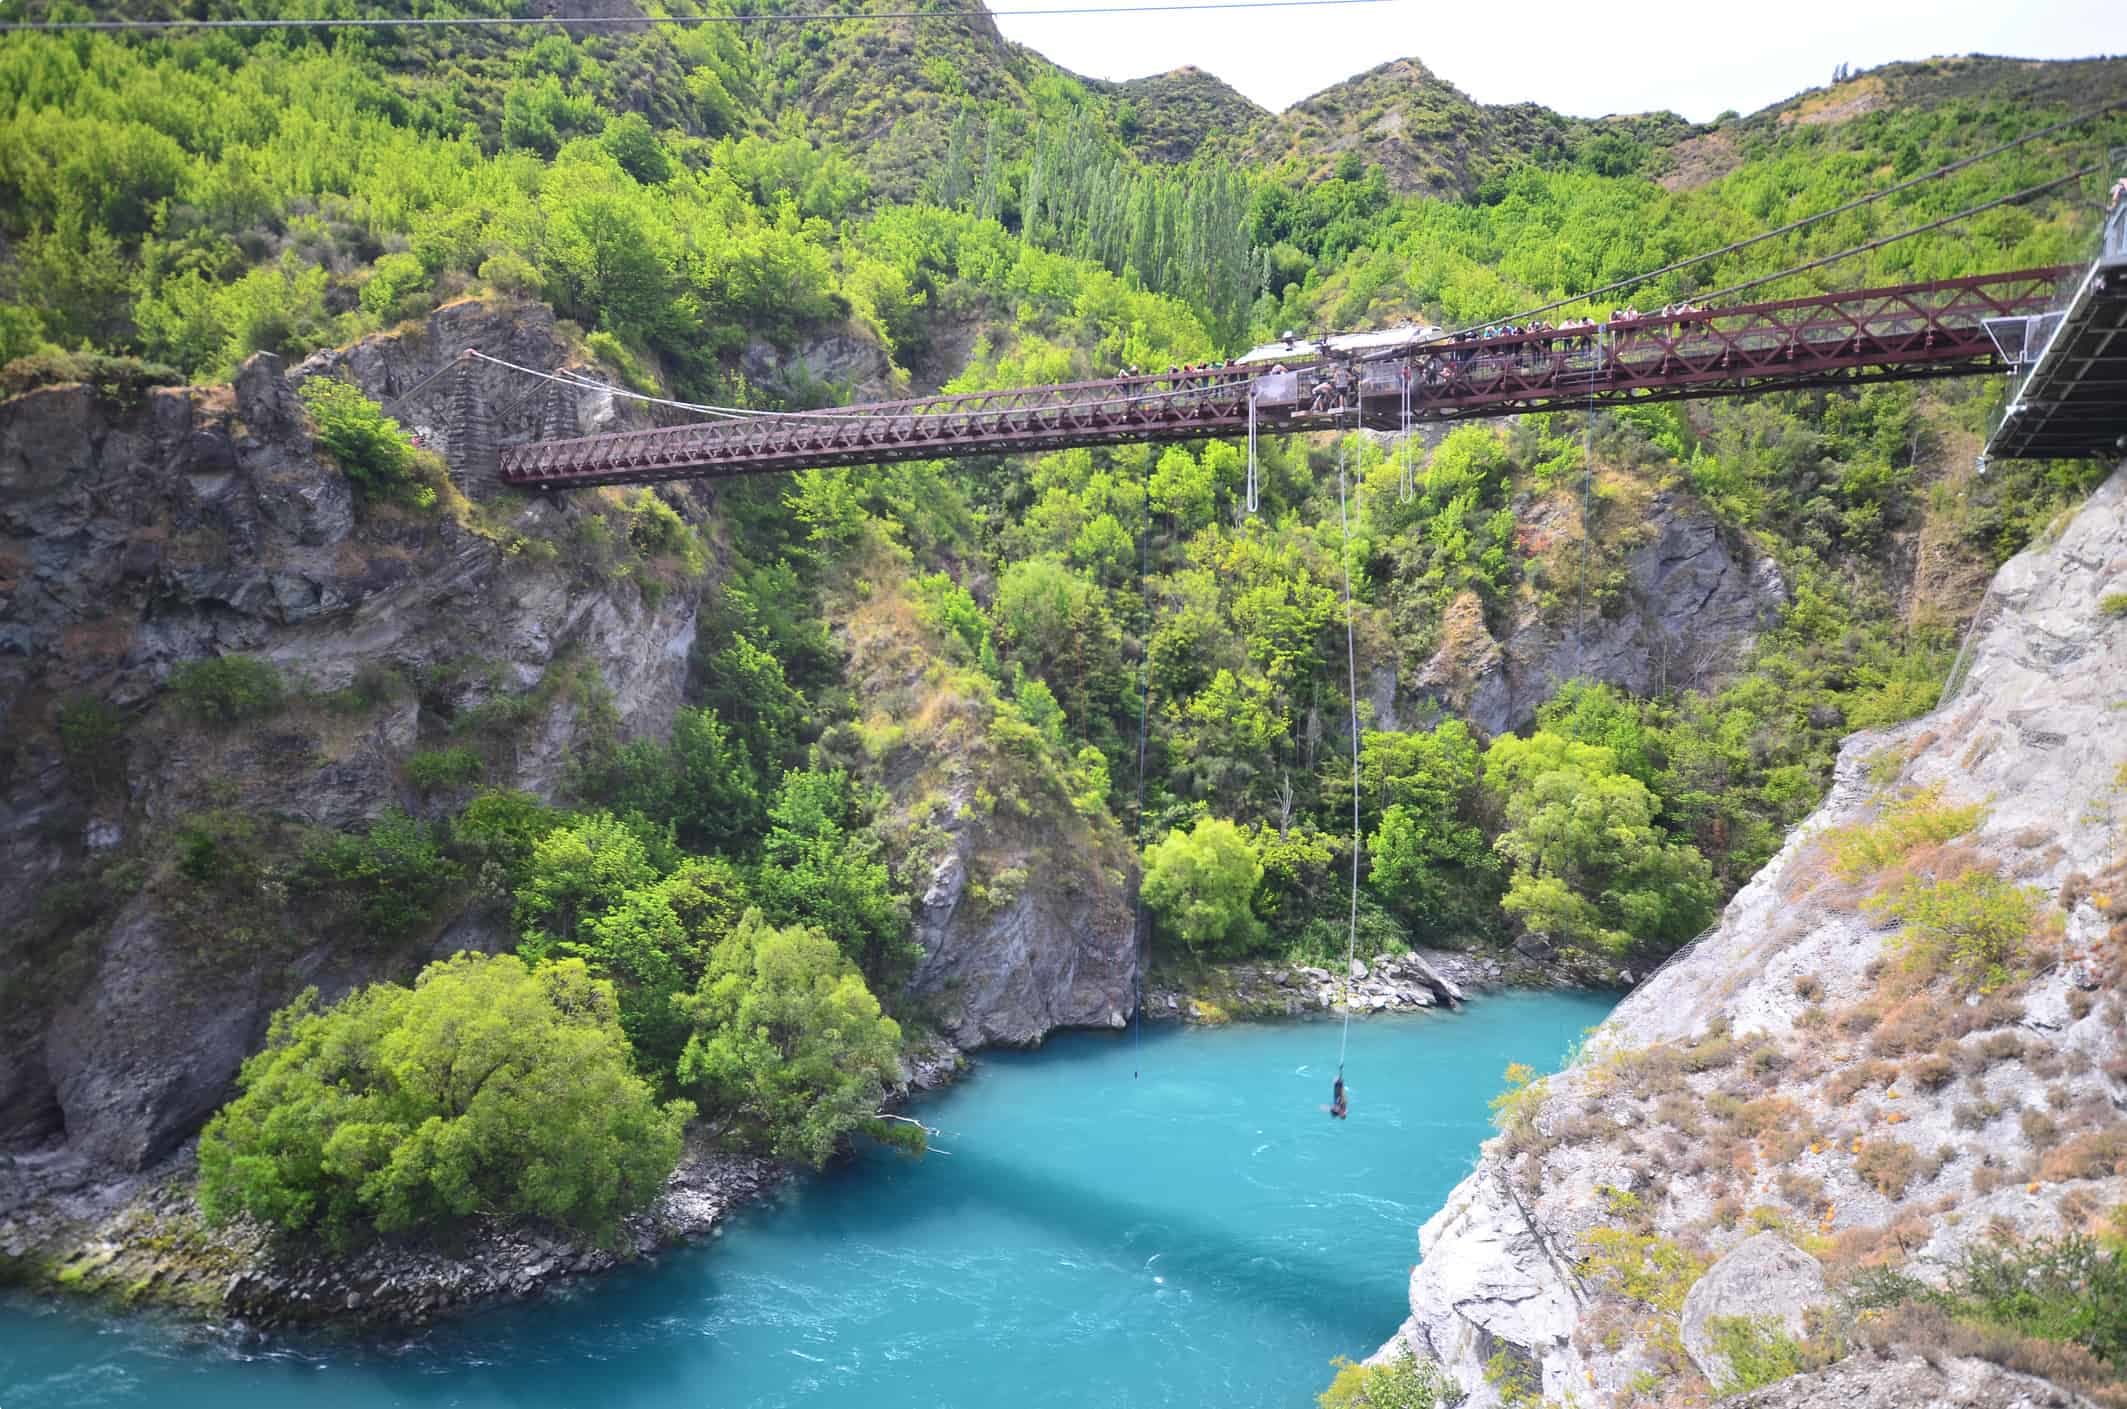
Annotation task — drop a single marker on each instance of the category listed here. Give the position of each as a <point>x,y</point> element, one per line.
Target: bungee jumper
<point>1336,1098</point>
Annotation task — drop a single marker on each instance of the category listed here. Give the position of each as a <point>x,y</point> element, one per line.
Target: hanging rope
<point>1144,715</point>
<point>1587,498</point>
<point>1251,499</point>
<point>1351,675</point>
<point>1407,487</point>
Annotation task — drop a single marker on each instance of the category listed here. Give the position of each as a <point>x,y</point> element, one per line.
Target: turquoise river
<point>1198,1233</point>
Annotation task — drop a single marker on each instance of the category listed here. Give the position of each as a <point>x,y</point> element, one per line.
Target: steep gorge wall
<point>144,529</point>
<point>142,533</point>
<point>1781,1068</point>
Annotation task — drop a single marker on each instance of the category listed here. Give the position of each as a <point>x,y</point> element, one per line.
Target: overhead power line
<point>1906,234</point>
<point>564,21</point>
<point>1946,169</point>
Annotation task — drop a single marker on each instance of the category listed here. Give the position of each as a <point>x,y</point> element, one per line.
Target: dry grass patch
<point>1887,1165</point>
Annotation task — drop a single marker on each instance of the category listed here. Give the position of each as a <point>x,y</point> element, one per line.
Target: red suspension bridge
<point>1935,329</point>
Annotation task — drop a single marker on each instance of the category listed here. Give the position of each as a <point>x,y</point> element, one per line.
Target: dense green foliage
<point>368,444</point>
<point>226,689</point>
<point>1397,1384</point>
<point>1201,886</point>
<point>486,1088</point>
<point>789,1044</point>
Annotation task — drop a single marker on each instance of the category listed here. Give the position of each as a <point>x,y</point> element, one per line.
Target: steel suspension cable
<point>1351,676</point>
<point>1947,169</point>
<point>1906,234</point>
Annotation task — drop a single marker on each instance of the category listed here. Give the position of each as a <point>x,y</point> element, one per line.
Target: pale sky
<point>1586,59</point>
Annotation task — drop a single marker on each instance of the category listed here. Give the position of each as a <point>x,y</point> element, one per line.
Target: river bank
<point>140,1240</point>
<point>1106,1200</point>
<point>1412,980</point>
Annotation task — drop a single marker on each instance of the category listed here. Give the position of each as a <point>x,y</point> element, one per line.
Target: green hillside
<point>984,218</point>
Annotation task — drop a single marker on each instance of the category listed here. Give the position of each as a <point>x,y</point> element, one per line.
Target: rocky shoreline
<point>1412,981</point>
<point>140,1240</point>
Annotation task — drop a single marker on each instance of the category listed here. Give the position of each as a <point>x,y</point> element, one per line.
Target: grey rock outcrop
<point>1764,1279</point>
<point>1776,1065</point>
<point>1912,1381</point>
<point>1058,954</point>
<point>845,360</point>
<point>1023,910</point>
<point>1694,601</point>
<point>139,534</point>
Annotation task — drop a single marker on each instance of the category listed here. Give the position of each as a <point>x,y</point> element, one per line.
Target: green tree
<point>365,442</point>
<point>1183,488</point>
<point>486,1088</point>
<point>632,143</point>
<point>1591,869</point>
<point>820,867</point>
<point>1200,886</point>
<point>788,1046</point>
<point>577,872</point>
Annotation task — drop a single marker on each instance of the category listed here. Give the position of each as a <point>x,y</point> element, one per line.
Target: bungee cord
<point>1252,496</point>
<point>1351,670</point>
<point>1144,717</point>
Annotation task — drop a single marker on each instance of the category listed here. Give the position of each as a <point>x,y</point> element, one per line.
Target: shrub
<point>2091,1155</point>
<point>431,769</point>
<point>485,1088</point>
<point>1397,1384</point>
<point>1887,1165</point>
<point>1976,925</point>
<point>1643,1267</point>
<point>1930,1072</point>
<point>218,851</point>
<point>1515,1108</point>
<point>2042,1131</point>
<point>789,1045</point>
<point>510,274</point>
<point>2113,604</point>
<point>1758,1351</point>
<point>1200,886</point>
<point>1922,819</point>
<point>121,378</point>
<point>390,877</point>
<point>367,444</point>
<point>226,689</point>
<point>2051,1306</point>
<point>91,735</point>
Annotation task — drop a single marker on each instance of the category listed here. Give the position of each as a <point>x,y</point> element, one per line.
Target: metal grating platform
<point>2072,399</point>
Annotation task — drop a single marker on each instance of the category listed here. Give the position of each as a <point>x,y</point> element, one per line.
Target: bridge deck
<point>1914,330</point>
<point>2072,400</point>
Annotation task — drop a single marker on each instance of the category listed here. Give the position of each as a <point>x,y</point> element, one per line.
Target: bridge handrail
<point>1654,352</point>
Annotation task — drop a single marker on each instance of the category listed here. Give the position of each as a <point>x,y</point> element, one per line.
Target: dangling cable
<point>1251,499</point>
<point>1408,485</point>
<point>1144,716</point>
<point>1587,496</point>
<point>1351,675</point>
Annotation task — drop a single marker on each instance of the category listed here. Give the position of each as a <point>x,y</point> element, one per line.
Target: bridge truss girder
<point>1826,341</point>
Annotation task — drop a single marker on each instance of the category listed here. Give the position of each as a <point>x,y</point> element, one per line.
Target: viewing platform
<point>2071,363</point>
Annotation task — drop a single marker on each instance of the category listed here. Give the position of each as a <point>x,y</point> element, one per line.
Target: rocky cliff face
<point>144,532</point>
<point>1023,908</point>
<point>1693,600</point>
<point>144,529</point>
<point>1816,1068</point>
